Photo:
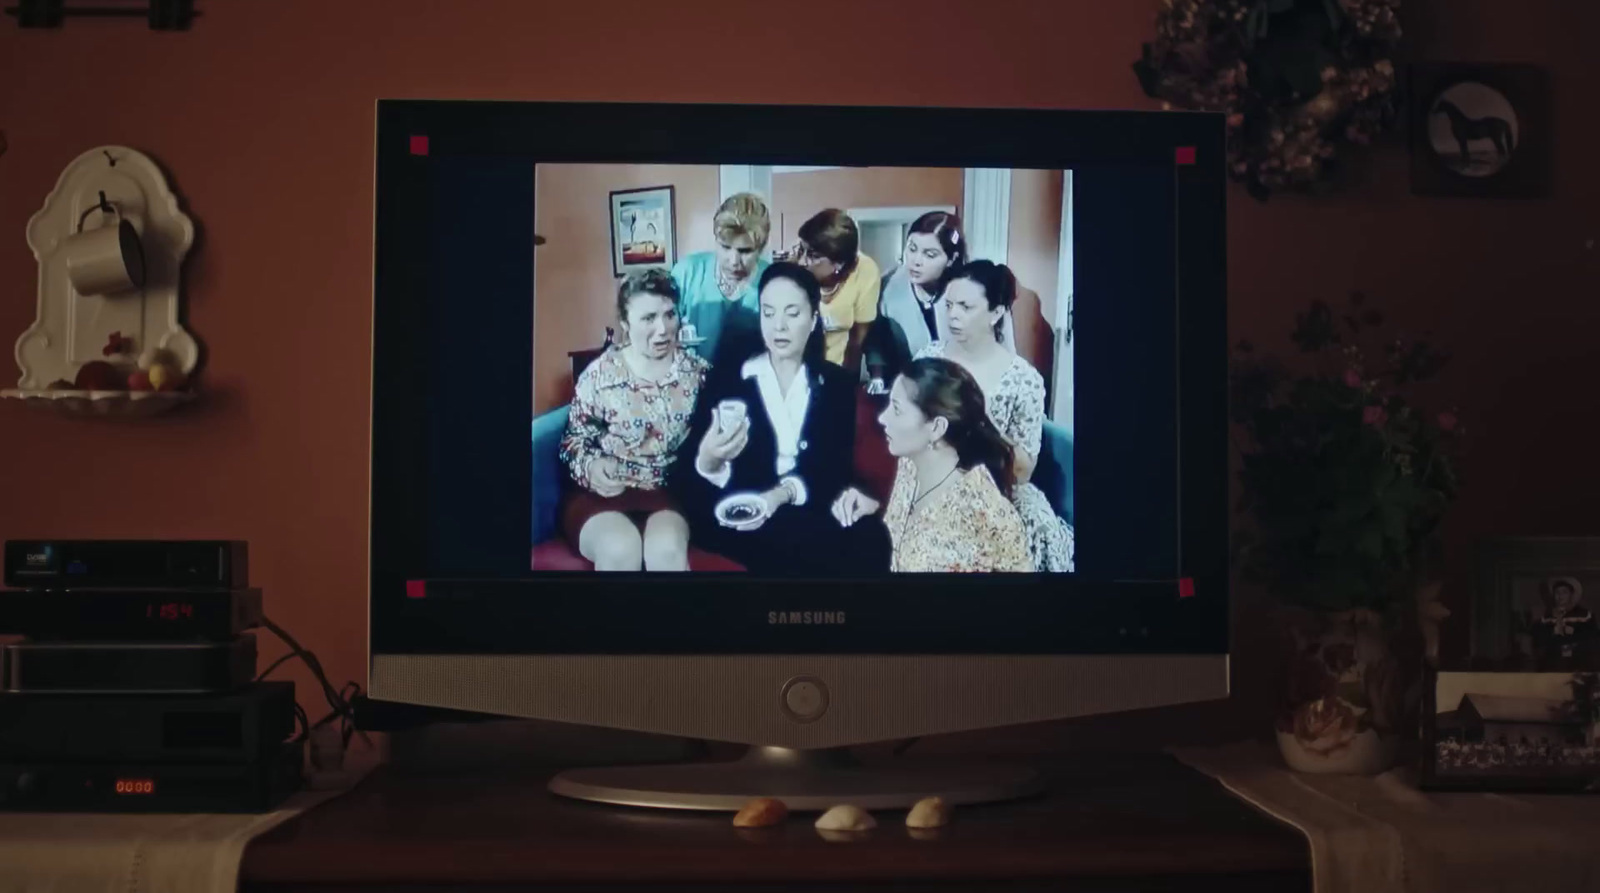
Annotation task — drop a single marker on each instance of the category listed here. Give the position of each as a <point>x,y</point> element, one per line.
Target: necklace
<point>917,500</point>
<point>728,285</point>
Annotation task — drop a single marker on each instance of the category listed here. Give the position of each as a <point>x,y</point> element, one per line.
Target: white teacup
<point>687,332</point>
<point>730,413</point>
<point>107,260</point>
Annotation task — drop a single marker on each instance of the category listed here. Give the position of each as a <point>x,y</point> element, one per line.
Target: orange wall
<point>797,196</point>
<point>575,291</point>
<point>1033,251</point>
<point>264,116</point>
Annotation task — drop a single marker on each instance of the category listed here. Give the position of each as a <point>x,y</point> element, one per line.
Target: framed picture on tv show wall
<point>643,229</point>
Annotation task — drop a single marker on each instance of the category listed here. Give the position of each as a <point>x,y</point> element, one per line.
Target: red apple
<point>140,381</point>
<point>99,375</point>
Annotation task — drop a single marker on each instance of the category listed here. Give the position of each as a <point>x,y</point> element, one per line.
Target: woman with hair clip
<point>948,511</point>
<point>911,313</point>
<point>779,430</point>
<point>977,301</point>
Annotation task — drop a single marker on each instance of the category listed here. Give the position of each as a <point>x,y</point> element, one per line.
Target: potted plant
<point>1345,482</point>
<point>1585,705</point>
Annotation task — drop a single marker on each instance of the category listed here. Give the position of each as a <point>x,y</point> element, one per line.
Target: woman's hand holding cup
<point>725,439</point>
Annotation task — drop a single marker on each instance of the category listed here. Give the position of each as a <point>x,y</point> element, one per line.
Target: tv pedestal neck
<point>803,779</point>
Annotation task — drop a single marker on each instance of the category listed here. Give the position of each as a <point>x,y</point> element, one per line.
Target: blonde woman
<point>719,286</point>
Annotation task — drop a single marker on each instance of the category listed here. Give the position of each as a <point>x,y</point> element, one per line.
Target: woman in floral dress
<point>978,301</point>
<point>630,414</point>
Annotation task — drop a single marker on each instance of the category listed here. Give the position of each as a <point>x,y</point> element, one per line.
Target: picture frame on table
<point>1511,731</point>
<point>1523,712</point>
<point>644,232</point>
<point>1479,129</point>
<point>1533,605</point>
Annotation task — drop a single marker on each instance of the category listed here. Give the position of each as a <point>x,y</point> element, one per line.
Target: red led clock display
<point>169,611</point>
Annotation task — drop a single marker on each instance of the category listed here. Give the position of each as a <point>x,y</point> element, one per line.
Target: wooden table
<point>1132,823</point>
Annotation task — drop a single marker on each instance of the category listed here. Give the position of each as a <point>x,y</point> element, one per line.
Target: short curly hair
<point>743,214</point>
<point>654,281</point>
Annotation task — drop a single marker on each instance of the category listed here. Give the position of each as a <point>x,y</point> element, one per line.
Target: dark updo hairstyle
<point>999,287</point>
<point>832,234</point>
<point>646,282</point>
<point>816,348</point>
<point>945,227</point>
<point>944,389</point>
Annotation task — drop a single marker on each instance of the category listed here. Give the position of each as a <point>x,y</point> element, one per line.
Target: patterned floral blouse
<point>1016,405</point>
<point>639,423</point>
<point>969,527</point>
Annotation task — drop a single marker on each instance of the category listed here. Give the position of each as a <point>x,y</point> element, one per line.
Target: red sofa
<point>551,552</point>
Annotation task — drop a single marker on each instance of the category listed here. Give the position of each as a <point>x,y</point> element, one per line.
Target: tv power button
<point>804,698</point>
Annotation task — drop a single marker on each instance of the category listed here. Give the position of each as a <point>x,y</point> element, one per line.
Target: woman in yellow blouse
<point>949,510</point>
<point>830,247</point>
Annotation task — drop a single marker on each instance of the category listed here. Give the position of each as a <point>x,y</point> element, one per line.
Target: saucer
<point>741,511</point>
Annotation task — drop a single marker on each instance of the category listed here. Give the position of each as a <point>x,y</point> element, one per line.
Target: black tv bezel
<point>557,613</point>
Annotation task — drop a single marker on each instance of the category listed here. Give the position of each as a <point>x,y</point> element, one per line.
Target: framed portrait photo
<point>1533,605</point>
<point>643,229</point>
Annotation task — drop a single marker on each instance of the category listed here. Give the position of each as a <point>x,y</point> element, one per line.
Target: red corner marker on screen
<point>1186,587</point>
<point>1182,155</point>
<point>419,144</point>
<point>416,589</point>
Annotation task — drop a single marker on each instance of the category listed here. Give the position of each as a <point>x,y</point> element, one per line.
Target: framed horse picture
<point>1479,130</point>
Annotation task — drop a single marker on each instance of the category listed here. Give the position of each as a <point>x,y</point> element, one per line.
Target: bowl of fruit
<point>101,388</point>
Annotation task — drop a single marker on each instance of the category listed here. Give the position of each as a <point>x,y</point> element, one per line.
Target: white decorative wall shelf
<point>74,330</point>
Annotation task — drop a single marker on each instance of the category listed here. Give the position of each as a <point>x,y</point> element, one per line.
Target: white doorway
<point>883,230</point>
<point>1062,385</point>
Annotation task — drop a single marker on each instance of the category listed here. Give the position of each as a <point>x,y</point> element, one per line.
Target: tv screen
<point>866,354</point>
<point>823,376</point>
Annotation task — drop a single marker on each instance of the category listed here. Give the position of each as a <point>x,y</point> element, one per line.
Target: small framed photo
<point>1479,130</point>
<point>643,229</point>
<point>1511,731</point>
<point>1533,605</point>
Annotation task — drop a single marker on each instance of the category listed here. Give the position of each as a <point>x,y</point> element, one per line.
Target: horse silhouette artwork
<point>1467,130</point>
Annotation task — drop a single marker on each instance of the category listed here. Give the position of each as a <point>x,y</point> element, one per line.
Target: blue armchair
<point>548,472</point>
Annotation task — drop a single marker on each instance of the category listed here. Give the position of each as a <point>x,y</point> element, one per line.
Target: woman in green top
<point>719,287</point>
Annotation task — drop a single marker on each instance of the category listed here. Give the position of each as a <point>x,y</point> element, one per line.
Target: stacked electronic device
<point>133,686</point>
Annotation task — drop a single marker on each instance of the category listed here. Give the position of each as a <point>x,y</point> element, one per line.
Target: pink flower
<point>1352,378</point>
<point>1374,416</point>
<point>1447,421</point>
<point>1325,726</point>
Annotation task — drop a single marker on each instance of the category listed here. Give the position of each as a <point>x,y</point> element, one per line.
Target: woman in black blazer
<point>780,424</point>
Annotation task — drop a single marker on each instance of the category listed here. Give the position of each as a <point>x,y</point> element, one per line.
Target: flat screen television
<point>798,427</point>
